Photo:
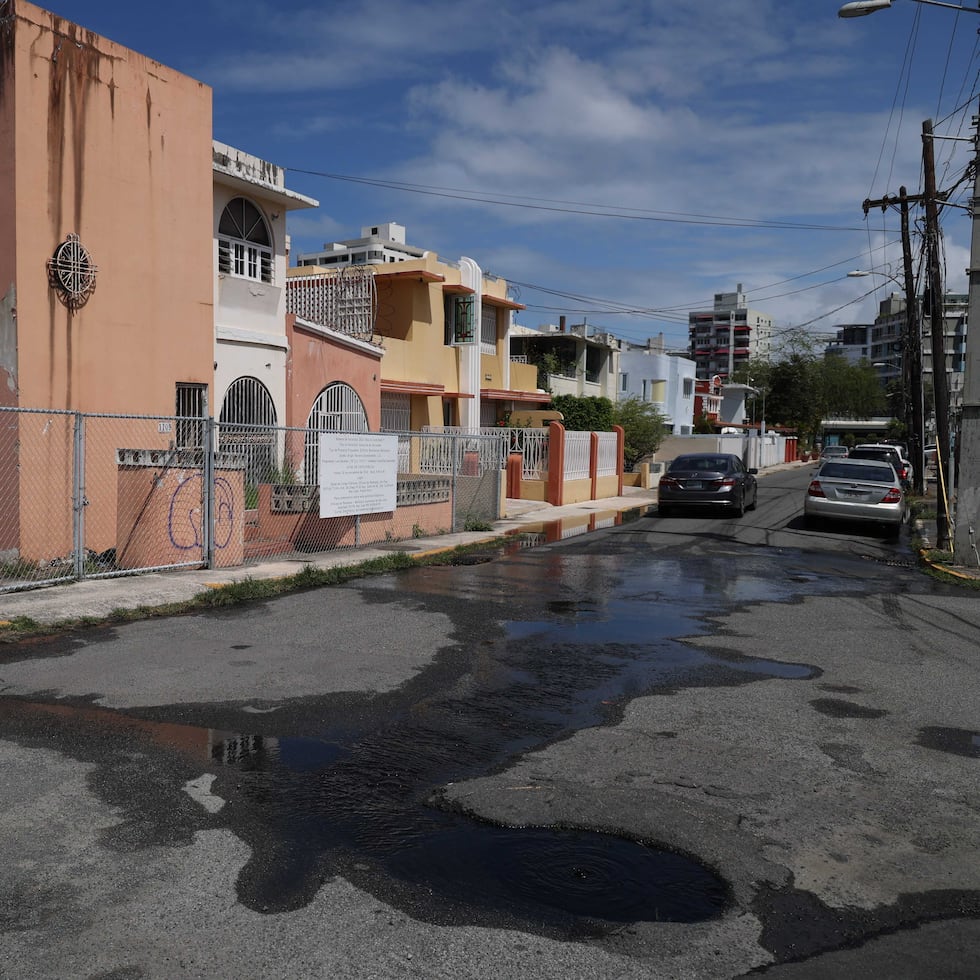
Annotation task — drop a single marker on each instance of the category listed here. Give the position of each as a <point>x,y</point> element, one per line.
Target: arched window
<point>338,408</point>
<point>244,243</point>
<point>246,427</point>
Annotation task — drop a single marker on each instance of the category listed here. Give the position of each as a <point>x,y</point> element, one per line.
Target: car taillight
<point>893,496</point>
<point>904,473</point>
<point>668,481</point>
<point>726,483</point>
<point>815,490</point>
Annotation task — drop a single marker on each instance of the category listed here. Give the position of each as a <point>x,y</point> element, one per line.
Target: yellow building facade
<point>445,329</point>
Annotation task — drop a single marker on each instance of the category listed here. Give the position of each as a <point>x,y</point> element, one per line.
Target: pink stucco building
<point>105,155</point>
<point>142,271</point>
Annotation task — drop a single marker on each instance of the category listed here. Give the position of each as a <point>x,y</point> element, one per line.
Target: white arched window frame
<point>244,242</point>
<point>338,408</point>
<point>247,428</point>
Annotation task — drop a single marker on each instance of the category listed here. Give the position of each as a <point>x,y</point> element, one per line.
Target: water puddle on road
<point>956,741</point>
<point>353,789</point>
<point>571,526</point>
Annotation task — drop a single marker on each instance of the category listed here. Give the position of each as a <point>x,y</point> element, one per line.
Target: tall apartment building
<point>882,343</point>
<point>886,341</point>
<point>954,346</point>
<point>728,335</point>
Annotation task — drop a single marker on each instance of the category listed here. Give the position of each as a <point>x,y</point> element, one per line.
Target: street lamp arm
<point>861,273</point>
<point>861,8</point>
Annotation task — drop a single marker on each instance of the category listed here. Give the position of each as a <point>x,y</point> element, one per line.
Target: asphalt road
<point>297,789</point>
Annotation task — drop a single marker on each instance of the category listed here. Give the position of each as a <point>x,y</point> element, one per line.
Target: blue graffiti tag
<point>184,519</point>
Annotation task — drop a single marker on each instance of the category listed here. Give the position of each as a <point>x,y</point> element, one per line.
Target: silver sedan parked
<point>833,452</point>
<point>857,490</point>
<point>708,480</point>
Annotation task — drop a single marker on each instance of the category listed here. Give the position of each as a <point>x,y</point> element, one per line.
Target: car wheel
<point>755,499</point>
<point>740,509</point>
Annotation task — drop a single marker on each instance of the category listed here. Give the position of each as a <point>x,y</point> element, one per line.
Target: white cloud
<point>755,109</point>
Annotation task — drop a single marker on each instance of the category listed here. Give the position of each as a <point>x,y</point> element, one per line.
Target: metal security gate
<point>338,408</point>
<point>246,427</point>
<point>396,416</point>
<point>478,472</point>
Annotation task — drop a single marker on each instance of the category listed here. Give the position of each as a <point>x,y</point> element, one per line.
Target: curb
<point>936,566</point>
<point>945,569</point>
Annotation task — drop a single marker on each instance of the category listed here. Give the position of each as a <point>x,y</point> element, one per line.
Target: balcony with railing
<point>344,300</point>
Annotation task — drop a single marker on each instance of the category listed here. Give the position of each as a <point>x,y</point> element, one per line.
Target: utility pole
<point>968,447</point>
<point>912,341</point>
<point>938,323</point>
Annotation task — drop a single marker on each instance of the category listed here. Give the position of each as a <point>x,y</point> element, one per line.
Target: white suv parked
<point>885,452</point>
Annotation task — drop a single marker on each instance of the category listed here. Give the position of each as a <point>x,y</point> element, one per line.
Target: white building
<point>578,359</point>
<point>250,256</point>
<point>649,373</point>
<point>377,245</point>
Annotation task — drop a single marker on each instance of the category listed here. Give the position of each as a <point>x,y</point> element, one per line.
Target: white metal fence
<point>534,447</point>
<point>444,440</point>
<point>532,444</point>
<point>577,447</point>
<point>608,461</point>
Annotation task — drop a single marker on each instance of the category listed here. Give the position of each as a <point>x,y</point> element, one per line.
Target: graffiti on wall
<point>184,519</point>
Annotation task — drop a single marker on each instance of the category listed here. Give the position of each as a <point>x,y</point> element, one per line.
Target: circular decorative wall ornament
<point>71,272</point>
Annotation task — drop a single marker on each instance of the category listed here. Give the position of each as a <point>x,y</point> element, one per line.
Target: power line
<point>588,210</point>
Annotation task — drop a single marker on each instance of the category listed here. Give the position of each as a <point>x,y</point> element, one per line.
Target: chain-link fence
<point>98,495</point>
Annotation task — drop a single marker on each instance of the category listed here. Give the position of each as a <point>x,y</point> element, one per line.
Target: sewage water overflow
<point>357,795</point>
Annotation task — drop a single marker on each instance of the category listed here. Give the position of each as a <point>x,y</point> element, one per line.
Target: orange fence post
<point>556,463</point>
<point>594,463</point>
<point>515,472</point>
<point>620,452</point>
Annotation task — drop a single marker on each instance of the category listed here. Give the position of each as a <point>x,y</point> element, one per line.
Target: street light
<point>911,372</point>
<point>861,273</point>
<point>861,8</point>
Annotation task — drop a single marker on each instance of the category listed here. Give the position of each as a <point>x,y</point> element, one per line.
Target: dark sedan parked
<point>708,480</point>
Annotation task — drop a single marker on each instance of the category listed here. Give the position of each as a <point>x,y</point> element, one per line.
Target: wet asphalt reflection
<point>354,792</point>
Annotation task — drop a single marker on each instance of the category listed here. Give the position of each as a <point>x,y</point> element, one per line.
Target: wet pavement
<point>351,786</point>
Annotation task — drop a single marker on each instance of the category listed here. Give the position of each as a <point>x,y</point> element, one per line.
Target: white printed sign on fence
<point>358,474</point>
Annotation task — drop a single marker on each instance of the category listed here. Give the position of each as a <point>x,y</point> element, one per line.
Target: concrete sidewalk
<point>98,598</point>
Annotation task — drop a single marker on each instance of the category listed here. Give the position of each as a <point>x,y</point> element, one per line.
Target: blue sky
<point>722,141</point>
